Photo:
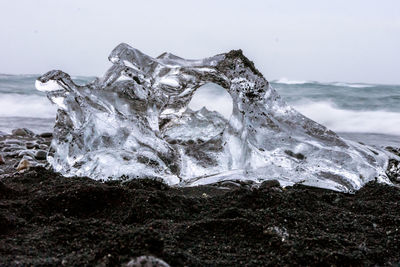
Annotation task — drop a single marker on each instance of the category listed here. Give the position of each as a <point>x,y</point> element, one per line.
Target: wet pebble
<point>13,154</point>
<point>23,165</point>
<point>41,155</point>
<point>5,149</point>
<point>22,132</point>
<point>26,153</point>
<point>46,135</point>
<point>29,158</point>
<point>269,184</point>
<point>47,143</point>
<point>12,148</point>
<point>14,142</point>
<point>31,145</point>
<point>43,147</point>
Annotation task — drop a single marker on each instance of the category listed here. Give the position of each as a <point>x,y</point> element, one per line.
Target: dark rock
<point>14,154</point>
<point>46,135</point>
<point>22,132</point>
<point>28,157</point>
<point>295,155</point>
<point>46,143</point>
<point>2,161</point>
<point>43,147</point>
<point>6,149</point>
<point>13,149</point>
<point>41,155</point>
<point>31,145</point>
<point>393,171</point>
<point>269,184</point>
<point>395,151</point>
<point>29,153</point>
<point>14,142</point>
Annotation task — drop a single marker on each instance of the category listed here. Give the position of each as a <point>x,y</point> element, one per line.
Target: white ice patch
<point>48,86</point>
<point>59,101</point>
<point>169,81</point>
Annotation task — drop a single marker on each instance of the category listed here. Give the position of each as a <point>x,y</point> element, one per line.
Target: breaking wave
<point>350,108</point>
<point>351,85</point>
<point>339,84</point>
<point>287,81</point>
<point>343,120</point>
<point>18,105</point>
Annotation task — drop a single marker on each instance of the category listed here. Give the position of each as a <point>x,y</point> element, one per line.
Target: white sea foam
<point>351,85</point>
<point>287,81</point>
<point>342,120</point>
<point>17,105</point>
<point>326,113</point>
<point>339,84</point>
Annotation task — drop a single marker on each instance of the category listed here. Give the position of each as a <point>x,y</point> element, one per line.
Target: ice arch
<point>134,122</point>
<point>214,98</point>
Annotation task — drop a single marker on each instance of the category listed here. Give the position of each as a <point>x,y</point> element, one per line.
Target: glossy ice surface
<point>134,122</point>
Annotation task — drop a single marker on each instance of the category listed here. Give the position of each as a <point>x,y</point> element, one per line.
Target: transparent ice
<point>134,123</point>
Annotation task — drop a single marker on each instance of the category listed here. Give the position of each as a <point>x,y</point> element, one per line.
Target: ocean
<point>369,113</point>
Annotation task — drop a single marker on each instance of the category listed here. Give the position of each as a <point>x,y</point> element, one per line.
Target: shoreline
<point>48,219</point>
<point>22,144</point>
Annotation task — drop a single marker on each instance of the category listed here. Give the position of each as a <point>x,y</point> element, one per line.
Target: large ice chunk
<point>134,122</point>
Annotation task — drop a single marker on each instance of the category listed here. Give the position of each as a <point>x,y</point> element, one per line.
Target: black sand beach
<point>46,219</point>
<point>50,220</point>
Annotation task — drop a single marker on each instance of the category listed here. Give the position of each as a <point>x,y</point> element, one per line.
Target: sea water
<point>368,113</point>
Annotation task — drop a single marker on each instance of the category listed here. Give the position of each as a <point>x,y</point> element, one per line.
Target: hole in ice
<point>207,115</point>
<point>214,98</point>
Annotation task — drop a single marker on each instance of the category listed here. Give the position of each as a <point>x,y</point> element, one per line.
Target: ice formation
<point>134,123</point>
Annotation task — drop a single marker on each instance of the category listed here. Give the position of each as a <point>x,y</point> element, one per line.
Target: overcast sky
<point>323,40</point>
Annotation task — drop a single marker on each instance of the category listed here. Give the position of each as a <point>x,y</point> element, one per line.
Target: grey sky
<point>349,40</point>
